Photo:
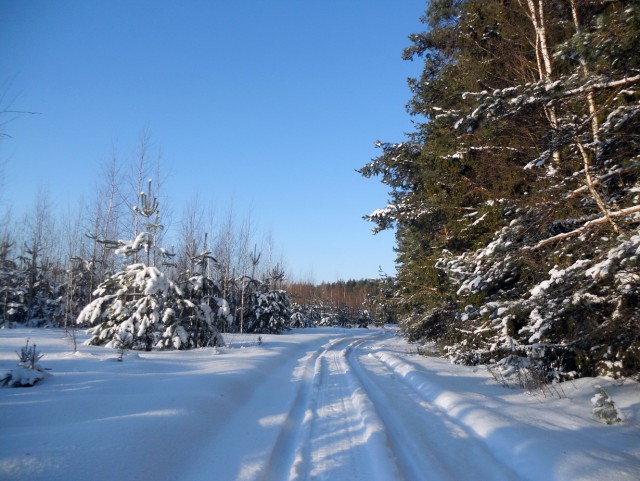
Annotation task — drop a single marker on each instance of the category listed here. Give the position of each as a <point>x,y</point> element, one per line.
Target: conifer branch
<point>588,225</point>
<point>603,178</point>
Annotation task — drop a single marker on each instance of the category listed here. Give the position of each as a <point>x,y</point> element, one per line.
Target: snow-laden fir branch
<point>603,178</point>
<point>588,225</point>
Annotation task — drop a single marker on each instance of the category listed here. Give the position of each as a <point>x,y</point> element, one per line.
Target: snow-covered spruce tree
<point>75,294</point>
<point>298,320</point>
<point>80,275</point>
<point>604,409</point>
<point>517,203</point>
<point>27,296</point>
<point>193,318</point>
<point>302,316</point>
<point>343,316</point>
<point>141,308</point>
<point>13,290</point>
<point>313,313</point>
<point>269,312</point>
<point>578,313</point>
<point>364,319</point>
<point>132,302</point>
<point>43,273</point>
<point>379,301</point>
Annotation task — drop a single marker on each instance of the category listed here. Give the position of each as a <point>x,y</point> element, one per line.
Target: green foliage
<point>515,203</point>
<point>27,296</point>
<point>269,312</point>
<point>140,307</point>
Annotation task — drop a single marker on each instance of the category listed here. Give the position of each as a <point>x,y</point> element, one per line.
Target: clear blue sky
<point>269,104</point>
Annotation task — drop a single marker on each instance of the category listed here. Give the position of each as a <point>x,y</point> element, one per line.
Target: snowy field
<point>320,404</point>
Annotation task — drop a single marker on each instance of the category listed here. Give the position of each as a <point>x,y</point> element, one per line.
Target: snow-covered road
<point>361,421</point>
<point>321,404</point>
<point>424,440</point>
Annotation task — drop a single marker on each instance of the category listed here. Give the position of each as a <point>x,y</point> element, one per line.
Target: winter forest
<point>74,271</point>
<point>516,199</point>
<point>173,341</point>
<point>515,204</point>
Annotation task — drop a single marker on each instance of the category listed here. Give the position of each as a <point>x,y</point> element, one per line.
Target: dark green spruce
<point>516,200</point>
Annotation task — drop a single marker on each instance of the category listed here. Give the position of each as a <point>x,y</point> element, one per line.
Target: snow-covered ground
<point>325,404</point>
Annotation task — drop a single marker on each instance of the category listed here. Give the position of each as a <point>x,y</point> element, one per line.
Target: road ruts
<point>421,435</point>
<point>354,419</point>
<point>331,431</point>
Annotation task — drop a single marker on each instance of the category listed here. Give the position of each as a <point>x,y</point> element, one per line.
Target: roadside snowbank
<point>544,435</point>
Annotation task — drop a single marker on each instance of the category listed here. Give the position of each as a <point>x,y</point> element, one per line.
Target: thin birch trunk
<point>543,58</point>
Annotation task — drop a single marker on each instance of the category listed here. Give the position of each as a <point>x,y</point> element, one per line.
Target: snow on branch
<point>387,216</point>
<point>603,178</point>
<point>585,227</point>
<point>508,101</point>
<point>467,150</point>
<point>603,85</point>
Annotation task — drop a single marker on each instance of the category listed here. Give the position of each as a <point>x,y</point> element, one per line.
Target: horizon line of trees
<point>351,302</point>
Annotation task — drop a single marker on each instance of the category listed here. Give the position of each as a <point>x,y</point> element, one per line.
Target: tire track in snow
<point>354,418</point>
<point>331,430</point>
<point>427,444</point>
<point>286,458</point>
<point>246,446</point>
<point>348,441</point>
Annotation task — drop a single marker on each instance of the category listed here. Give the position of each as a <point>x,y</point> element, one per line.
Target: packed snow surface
<point>316,404</point>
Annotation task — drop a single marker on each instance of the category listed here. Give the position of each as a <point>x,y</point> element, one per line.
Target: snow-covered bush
<point>364,319</point>
<point>325,321</point>
<point>604,409</point>
<point>28,372</point>
<point>302,317</point>
<point>299,320</point>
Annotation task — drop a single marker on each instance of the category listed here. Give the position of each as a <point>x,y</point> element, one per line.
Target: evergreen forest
<point>516,199</point>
